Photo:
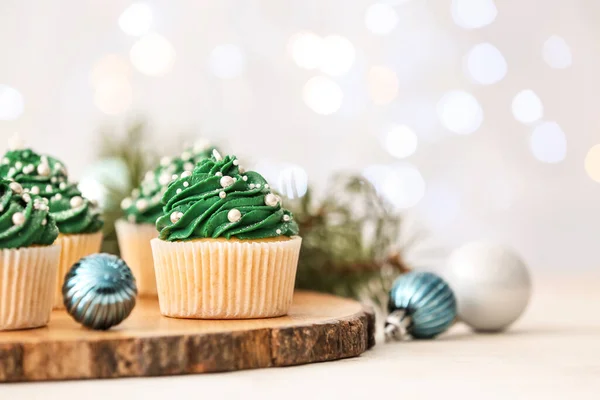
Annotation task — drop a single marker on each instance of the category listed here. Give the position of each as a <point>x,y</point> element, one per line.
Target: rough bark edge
<point>188,354</point>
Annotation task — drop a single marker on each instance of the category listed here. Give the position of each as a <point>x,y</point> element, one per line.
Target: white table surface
<point>553,352</point>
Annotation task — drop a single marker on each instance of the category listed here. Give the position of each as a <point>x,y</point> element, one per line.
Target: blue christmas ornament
<point>99,291</point>
<point>421,305</point>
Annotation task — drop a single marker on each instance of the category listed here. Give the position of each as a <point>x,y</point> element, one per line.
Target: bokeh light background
<point>477,116</point>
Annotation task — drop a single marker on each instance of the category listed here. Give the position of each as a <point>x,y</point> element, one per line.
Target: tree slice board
<point>319,327</point>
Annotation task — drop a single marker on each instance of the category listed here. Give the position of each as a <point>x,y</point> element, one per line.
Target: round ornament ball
<point>421,305</point>
<point>491,283</point>
<point>99,291</point>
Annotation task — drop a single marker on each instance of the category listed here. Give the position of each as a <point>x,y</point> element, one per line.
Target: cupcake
<point>226,247</point>
<point>78,220</point>
<point>143,208</point>
<point>28,258</point>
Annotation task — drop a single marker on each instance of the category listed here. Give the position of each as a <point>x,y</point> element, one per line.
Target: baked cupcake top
<point>144,205</point>
<point>47,177</point>
<point>24,218</point>
<point>220,199</point>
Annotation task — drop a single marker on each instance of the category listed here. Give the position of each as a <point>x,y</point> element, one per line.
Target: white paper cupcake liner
<point>73,248</point>
<point>226,279</point>
<point>134,244</point>
<point>27,282</point>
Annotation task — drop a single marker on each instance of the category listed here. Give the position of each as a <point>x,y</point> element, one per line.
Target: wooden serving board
<point>319,327</point>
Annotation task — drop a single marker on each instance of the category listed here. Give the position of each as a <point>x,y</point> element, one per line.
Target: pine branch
<point>347,240</point>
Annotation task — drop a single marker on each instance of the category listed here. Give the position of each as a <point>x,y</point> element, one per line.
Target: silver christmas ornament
<point>421,305</point>
<point>491,284</point>
<point>99,291</point>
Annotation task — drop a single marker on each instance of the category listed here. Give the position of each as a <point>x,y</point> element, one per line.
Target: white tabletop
<point>553,352</point>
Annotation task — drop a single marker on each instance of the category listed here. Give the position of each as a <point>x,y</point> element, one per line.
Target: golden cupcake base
<point>134,245</point>
<point>226,279</point>
<point>73,248</point>
<point>27,283</point>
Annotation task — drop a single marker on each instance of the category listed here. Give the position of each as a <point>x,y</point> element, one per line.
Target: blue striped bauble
<point>421,305</point>
<point>99,291</point>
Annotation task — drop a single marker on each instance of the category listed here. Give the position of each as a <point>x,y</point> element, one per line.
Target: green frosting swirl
<point>24,218</point>
<point>144,205</point>
<point>47,177</point>
<point>219,199</point>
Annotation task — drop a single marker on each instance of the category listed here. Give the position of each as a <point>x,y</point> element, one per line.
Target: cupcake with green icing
<point>143,207</point>
<point>28,258</point>
<point>78,219</point>
<point>227,248</point>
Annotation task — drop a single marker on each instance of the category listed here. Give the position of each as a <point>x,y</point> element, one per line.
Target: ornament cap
<point>396,326</point>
